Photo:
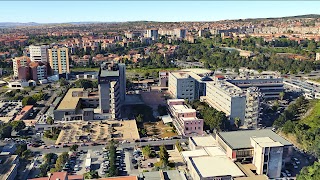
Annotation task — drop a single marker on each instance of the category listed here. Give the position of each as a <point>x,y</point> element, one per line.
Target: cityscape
<point>160,94</point>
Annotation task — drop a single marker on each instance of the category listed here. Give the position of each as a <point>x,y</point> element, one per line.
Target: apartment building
<point>59,60</point>
<point>39,53</point>
<point>152,33</point>
<point>9,165</point>
<point>184,118</point>
<point>20,67</point>
<point>253,102</point>
<point>38,71</point>
<point>227,98</point>
<point>112,88</point>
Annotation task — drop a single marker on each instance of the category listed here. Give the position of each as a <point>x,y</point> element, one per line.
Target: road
<point>99,147</point>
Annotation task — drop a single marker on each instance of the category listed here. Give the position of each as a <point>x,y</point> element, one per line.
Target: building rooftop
<point>180,75</point>
<point>69,101</point>
<point>60,176</point>
<point>182,109</point>
<point>164,175</point>
<point>214,151</point>
<point>23,111</point>
<point>266,142</point>
<point>222,166</point>
<point>241,139</point>
<point>195,153</point>
<point>121,178</point>
<point>204,141</point>
<point>198,70</point>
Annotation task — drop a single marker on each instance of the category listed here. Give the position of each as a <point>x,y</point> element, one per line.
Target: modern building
<point>9,167</point>
<point>77,104</point>
<point>181,85</point>
<point>112,88</point>
<point>267,156</point>
<point>162,175</point>
<point>227,98</point>
<point>39,53</point>
<point>21,67</point>
<point>38,71</point>
<point>184,118</point>
<point>60,176</point>
<point>59,60</point>
<point>269,86</point>
<point>152,33</point>
<point>259,147</point>
<point>252,111</point>
<point>199,142</point>
<point>163,78</point>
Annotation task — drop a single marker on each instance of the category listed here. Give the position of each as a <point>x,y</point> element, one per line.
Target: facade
<point>317,56</point>
<point>257,146</point>
<point>180,33</point>
<point>227,98</point>
<point>181,85</point>
<point>253,101</point>
<point>20,67</point>
<point>152,33</point>
<point>185,119</point>
<point>112,88</point>
<point>269,86</point>
<point>39,53</point>
<point>163,78</point>
<point>267,156</point>
<point>9,167</point>
<point>59,60</point>
<point>38,71</point>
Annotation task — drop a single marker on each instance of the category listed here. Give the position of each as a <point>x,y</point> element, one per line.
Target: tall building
<point>227,98</point>
<point>21,67</point>
<point>38,71</point>
<point>181,85</point>
<point>253,101</point>
<point>59,60</point>
<point>39,53</point>
<point>112,88</point>
<point>152,33</point>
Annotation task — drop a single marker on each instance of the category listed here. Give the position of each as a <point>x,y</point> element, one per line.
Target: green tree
<point>91,175</point>
<point>63,82</point>
<point>62,159</point>
<point>288,127</point>
<point>310,172</point>
<point>74,147</point>
<point>178,145</point>
<point>5,131</point>
<point>139,118</point>
<point>50,120</point>
<point>18,125</point>
<point>281,95</point>
<point>146,151</point>
<point>28,100</point>
<point>164,156</point>
<point>237,122</point>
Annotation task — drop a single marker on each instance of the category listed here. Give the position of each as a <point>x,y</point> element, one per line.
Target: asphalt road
<point>99,147</point>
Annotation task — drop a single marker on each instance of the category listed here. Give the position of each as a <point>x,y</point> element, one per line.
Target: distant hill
<point>18,24</point>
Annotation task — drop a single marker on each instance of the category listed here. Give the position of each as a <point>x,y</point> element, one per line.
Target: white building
<point>317,56</point>
<point>181,85</point>
<point>227,98</point>
<point>39,53</point>
<point>18,62</point>
<point>152,33</point>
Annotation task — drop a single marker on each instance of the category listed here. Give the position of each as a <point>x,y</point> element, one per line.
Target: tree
<point>74,147</point>
<point>28,101</point>
<point>310,172</point>
<point>18,125</point>
<point>139,118</point>
<point>20,149</point>
<point>5,131</point>
<point>50,120</point>
<point>162,110</point>
<point>62,159</point>
<point>91,175</point>
<point>146,151</point>
<point>237,122</point>
<point>178,145</point>
<point>63,82</point>
<point>288,127</point>
<point>281,95</point>
<point>164,156</point>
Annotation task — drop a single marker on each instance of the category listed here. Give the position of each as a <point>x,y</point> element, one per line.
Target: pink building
<point>185,118</point>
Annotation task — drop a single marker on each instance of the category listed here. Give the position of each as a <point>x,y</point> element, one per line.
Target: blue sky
<point>74,11</point>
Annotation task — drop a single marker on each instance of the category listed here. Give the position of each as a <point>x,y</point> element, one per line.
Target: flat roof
<point>195,153</point>
<point>180,75</point>
<point>215,151</point>
<point>69,101</point>
<point>204,141</point>
<point>266,142</point>
<point>241,139</point>
<point>182,108</point>
<point>166,119</point>
<point>215,166</point>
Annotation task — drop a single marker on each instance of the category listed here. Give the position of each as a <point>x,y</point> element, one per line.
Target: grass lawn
<point>313,117</point>
<point>159,129</point>
<point>144,70</point>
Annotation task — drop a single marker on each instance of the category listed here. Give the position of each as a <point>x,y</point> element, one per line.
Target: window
<point>199,127</point>
<point>187,128</point>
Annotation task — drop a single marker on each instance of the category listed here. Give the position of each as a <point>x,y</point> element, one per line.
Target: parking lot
<point>9,110</point>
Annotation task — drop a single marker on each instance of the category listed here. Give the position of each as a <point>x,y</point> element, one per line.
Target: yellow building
<point>59,60</point>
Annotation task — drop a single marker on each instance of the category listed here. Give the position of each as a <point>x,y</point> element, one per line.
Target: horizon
<point>157,11</point>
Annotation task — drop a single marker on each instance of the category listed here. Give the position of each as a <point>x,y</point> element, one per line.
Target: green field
<point>83,69</point>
